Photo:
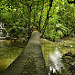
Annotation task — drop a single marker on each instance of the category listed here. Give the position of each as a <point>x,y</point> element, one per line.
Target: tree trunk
<point>29,30</point>
<point>41,16</point>
<point>47,18</point>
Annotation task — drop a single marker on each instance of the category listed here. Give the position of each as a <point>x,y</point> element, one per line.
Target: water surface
<point>9,51</point>
<point>53,52</point>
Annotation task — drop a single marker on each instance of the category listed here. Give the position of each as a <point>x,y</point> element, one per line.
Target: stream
<point>9,51</point>
<point>56,62</point>
<point>53,52</point>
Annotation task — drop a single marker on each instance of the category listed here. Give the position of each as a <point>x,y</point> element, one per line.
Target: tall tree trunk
<point>74,19</point>
<point>47,18</point>
<point>29,30</point>
<point>41,16</point>
<point>34,15</point>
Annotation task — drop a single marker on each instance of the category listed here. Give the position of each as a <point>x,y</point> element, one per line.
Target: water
<point>1,34</point>
<point>56,59</point>
<point>3,31</point>
<point>9,51</point>
<point>53,53</point>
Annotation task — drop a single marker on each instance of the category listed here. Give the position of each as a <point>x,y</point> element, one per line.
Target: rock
<point>8,38</point>
<point>67,54</point>
<point>71,68</point>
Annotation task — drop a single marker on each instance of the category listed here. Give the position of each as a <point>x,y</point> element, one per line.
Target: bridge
<point>30,61</point>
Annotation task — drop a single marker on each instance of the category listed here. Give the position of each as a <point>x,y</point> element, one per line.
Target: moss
<point>48,47</point>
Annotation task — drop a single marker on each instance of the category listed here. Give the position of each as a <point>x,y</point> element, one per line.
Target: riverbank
<point>53,52</point>
<point>9,51</point>
<point>30,61</point>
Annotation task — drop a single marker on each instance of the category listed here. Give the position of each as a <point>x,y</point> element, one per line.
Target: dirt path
<point>30,61</point>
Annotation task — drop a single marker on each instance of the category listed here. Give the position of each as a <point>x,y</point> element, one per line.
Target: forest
<point>54,20</point>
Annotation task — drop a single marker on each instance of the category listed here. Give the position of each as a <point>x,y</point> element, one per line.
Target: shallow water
<point>9,51</point>
<point>55,57</point>
<point>53,53</point>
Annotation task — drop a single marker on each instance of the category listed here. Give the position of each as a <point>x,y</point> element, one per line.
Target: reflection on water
<point>55,58</point>
<point>9,51</point>
<point>53,52</point>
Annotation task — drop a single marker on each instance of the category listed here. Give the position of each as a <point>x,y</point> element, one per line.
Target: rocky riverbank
<point>69,59</point>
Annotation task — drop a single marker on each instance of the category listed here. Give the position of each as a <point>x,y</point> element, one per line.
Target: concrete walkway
<point>30,61</point>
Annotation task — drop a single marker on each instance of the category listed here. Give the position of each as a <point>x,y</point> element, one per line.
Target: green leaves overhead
<point>56,17</point>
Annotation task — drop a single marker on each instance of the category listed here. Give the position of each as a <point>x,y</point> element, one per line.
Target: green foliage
<point>61,21</point>
<point>20,15</point>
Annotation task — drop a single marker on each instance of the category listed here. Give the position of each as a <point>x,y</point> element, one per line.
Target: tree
<point>41,16</point>
<point>47,17</point>
<point>53,18</point>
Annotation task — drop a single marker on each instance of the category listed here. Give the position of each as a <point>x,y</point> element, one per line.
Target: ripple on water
<point>56,60</point>
<point>53,52</point>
